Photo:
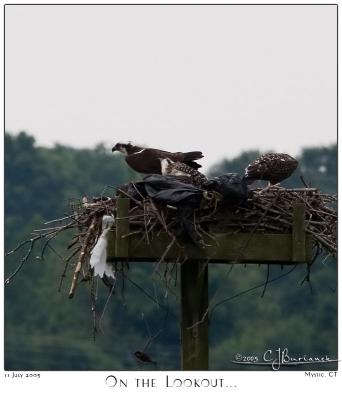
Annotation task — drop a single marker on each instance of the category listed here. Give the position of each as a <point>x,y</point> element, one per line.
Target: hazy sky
<point>220,79</point>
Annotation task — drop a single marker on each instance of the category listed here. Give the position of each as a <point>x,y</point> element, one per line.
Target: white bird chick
<point>98,257</point>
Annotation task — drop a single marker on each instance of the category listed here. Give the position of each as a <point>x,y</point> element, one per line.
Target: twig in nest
<point>67,260</point>
<point>93,297</point>
<point>253,288</point>
<point>46,245</point>
<point>212,237</point>
<point>307,278</point>
<point>160,218</point>
<point>73,243</point>
<point>55,251</point>
<point>24,259</point>
<point>21,245</point>
<point>160,305</point>
<point>106,304</point>
<point>137,190</point>
<point>83,254</point>
<point>129,196</point>
<point>243,246</point>
<point>59,219</point>
<point>303,181</point>
<point>162,258</point>
<point>267,279</point>
<point>124,264</point>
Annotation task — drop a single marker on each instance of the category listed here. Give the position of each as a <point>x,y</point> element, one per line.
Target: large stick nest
<point>268,210</point>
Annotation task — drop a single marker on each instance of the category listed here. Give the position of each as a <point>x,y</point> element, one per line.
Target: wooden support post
<point>122,227</point>
<point>194,307</point>
<point>298,233</point>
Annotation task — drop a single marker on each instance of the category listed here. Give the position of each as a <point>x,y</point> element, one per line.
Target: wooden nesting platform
<point>249,247</point>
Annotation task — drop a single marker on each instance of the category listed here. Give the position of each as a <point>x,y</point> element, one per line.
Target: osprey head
<point>124,148</point>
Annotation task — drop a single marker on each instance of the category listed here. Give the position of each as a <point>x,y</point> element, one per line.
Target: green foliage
<point>45,330</point>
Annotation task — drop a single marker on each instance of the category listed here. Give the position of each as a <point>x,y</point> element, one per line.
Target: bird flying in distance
<point>271,167</point>
<point>147,161</point>
<point>169,167</point>
<point>143,357</point>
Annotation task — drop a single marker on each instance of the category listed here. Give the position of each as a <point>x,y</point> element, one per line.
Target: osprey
<point>147,160</point>
<point>145,358</point>
<point>272,167</point>
<point>168,167</point>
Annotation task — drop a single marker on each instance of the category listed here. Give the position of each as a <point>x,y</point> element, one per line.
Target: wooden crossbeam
<point>260,248</point>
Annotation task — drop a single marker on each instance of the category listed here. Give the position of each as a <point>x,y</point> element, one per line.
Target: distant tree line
<point>46,330</point>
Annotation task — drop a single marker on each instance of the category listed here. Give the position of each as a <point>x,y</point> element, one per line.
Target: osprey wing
<point>147,161</point>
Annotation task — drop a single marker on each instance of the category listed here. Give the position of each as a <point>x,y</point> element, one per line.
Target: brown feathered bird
<point>272,167</point>
<point>143,357</point>
<point>168,167</point>
<point>147,161</point>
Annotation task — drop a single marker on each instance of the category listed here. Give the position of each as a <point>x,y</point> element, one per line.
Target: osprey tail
<point>188,159</point>
<point>192,155</point>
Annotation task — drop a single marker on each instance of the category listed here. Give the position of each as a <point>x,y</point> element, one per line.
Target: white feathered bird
<point>98,256</point>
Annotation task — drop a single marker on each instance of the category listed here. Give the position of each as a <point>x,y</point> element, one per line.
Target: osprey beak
<point>114,149</point>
